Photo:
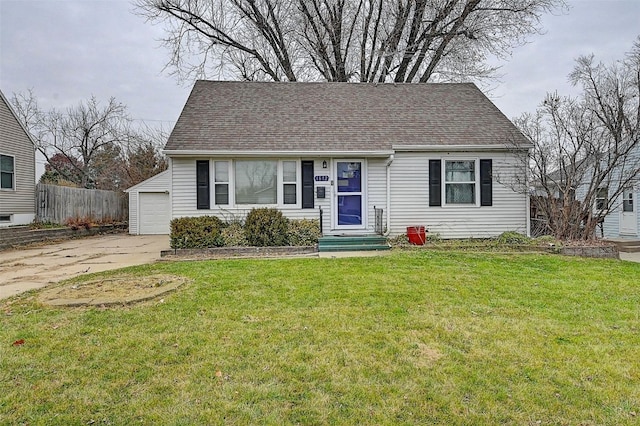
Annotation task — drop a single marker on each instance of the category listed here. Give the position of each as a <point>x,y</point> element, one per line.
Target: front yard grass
<point>415,337</point>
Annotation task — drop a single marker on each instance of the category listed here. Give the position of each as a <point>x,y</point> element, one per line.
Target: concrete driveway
<point>31,268</point>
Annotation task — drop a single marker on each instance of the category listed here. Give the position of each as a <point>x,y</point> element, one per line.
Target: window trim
<point>230,194</point>
<point>628,200</point>
<point>476,182</point>
<point>279,183</point>
<point>598,199</point>
<point>282,183</point>
<point>13,173</point>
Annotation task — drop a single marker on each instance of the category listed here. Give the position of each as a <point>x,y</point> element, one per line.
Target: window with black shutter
<point>435,183</point>
<point>307,185</point>
<point>202,184</point>
<point>486,183</point>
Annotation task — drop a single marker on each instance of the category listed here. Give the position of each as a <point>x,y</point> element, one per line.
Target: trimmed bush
<point>233,235</point>
<point>196,232</point>
<point>266,227</point>
<point>303,232</point>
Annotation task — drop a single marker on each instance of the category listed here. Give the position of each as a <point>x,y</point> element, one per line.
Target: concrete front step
<point>627,246</point>
<point>336,243</point>
<point>361,247</point>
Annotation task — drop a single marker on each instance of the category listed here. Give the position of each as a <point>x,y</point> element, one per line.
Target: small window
<point>289,182</point>
<point>601,198</point>
<point>221,182</point>
<point>7,172</point>
<point>255,181</point>
<point>5,218</point>
<point>627,202</point>
<point>460,182</point>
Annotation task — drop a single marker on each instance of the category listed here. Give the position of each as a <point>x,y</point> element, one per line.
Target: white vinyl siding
<point>183,193</point>
<point>376,190</point>
<point>612,221</point>
<point>410,199</point>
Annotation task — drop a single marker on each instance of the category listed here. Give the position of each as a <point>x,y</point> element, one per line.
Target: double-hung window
<point>221,184</point>
<point>248,182</point>
<point>460,182</point>
<point>601,198</point>
<point>7,172</point>
<point>627,202</point>
<point>289,182</point>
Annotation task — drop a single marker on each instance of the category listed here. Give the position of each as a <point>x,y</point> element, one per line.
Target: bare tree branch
<point>343,40</point>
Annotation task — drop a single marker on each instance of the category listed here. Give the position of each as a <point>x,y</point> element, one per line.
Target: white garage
<point>150,206</point>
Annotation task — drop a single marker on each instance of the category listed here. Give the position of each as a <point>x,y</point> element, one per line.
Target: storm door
<point>349,194</point>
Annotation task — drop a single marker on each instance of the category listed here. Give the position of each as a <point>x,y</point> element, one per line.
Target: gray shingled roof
<point>267,116</point>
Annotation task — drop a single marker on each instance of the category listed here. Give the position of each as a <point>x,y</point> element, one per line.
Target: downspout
<point>389,161</point>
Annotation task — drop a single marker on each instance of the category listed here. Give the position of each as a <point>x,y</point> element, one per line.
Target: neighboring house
<point>17,169</point>
<point>622,219</point>
<point>438,155</point>
<point>616,208</point>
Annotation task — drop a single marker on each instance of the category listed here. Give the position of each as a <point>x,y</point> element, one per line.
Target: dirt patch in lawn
<point>119,289</point>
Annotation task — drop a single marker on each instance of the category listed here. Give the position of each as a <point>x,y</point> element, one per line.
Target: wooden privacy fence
<point>57,204</point>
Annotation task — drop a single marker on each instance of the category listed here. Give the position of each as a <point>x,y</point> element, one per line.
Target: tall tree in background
<point>586,149</point>
<point>62,170</point>
<point>343,40</point>
<point>89,144</point>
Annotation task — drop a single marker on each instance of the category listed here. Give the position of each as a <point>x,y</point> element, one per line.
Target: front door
<point>628,218</point>
<point>349,194</point>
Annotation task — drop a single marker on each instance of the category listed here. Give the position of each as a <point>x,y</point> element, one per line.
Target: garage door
<point>154,213</point>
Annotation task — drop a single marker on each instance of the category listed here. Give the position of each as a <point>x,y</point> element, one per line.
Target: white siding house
<point>437,155</point>
<point>622,220</point>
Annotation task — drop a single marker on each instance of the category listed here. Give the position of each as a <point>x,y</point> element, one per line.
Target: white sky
<point>68,50</point>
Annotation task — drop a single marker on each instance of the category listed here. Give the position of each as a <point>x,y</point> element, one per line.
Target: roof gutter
<point>280,153</point>
<point>462,148</point>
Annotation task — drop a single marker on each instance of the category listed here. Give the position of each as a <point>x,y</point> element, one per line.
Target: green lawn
<point>411,338</point>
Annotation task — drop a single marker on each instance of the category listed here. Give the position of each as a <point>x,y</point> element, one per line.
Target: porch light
<point>324,164</point>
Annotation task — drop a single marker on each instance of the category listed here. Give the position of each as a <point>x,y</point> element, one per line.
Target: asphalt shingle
<point>271,116</point>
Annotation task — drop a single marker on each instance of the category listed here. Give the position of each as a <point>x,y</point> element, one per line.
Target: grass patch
<point>415,337</point>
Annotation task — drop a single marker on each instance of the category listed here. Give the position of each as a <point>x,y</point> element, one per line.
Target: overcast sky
<point>68,50</point>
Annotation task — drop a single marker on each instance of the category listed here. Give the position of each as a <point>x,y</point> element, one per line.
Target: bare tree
<point>88,144</point>
<point>586,149</point>
<point>343,40</point>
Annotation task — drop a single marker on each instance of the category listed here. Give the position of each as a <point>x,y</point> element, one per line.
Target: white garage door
<point>154,213</point>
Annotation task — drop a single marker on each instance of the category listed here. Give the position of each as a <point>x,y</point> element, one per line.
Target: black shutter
<point>486,184</point>
<point>307,184</point>
<point>435,183</point>
<point>202,184</point>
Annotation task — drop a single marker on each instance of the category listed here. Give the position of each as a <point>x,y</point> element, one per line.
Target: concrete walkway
<point>630,257</point>
<point>30,268</point>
